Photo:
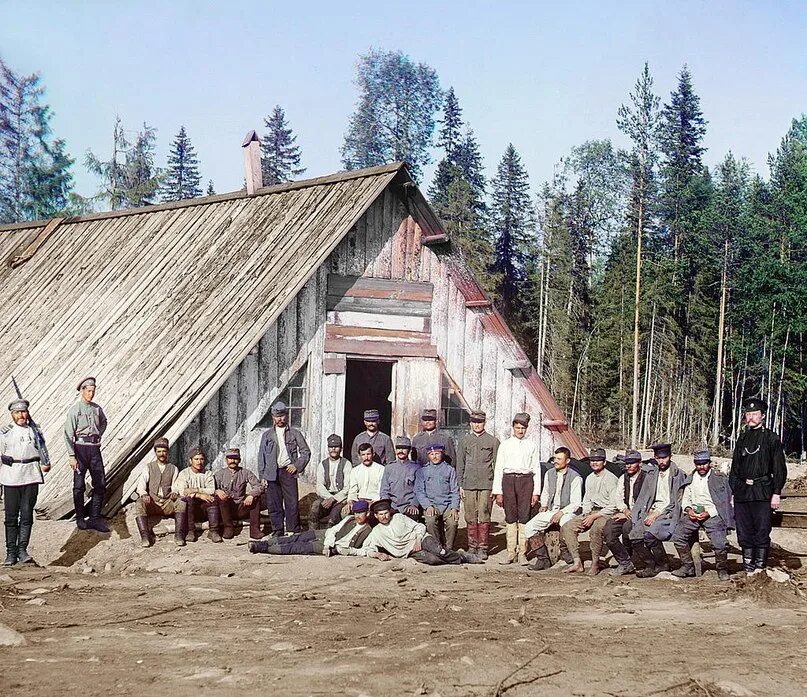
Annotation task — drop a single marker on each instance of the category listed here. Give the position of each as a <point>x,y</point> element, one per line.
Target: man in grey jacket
<point>282,455</point>
<point>657,510</point>
<point>706,503</point>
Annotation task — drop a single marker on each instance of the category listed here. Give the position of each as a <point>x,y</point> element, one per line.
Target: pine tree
<point>182,179</point>
<point>143,178</point>
<point>210,190</point>
<point>451,129</point>
<point>394,116</point>
<point>512,226</point>
<point>280,156</point>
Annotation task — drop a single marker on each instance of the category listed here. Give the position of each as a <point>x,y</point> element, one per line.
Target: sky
<point>545,76</point>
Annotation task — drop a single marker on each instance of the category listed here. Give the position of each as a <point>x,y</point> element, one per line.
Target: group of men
<point>403,498</point>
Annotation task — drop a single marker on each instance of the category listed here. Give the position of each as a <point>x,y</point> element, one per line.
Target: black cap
<point>381,505</point>
<point>755,404</point>
<point>661,449</point>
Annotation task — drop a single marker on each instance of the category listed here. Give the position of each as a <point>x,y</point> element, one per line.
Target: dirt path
<point>215,619</point>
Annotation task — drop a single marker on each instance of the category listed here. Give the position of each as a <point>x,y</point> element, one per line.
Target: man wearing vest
<point>197,493</point>
<point>398,480</point>
<point>617,529</point>
<point>598,505</point>
<point>430,434</point>
<point>346,538</point>
<point>24,459</point>
<point>657,510</point>
<point>84,427</point>
<point>476,463</point>
<point>561,501</point>
<point>333,482</point>
<point>239,494</point>
<point>758,473</point>
<point>383,449</point>
<point>706,503</point>
<point>439,496</point>
<point>157,495</point>
<point>282,455</point>
<point>517,484</point>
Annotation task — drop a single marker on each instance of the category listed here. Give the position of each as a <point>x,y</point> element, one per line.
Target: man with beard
<point>758,473</point>
<point>657,510</point>
<point>398,480</point>
<point>383,450</point>
<point>430,434</point>
<point>333,482</point>
<point>706,504</point>
<point>617,529</point>
<point>158,496</point>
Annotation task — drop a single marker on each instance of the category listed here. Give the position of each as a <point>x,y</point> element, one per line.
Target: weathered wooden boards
<point>792,511</point>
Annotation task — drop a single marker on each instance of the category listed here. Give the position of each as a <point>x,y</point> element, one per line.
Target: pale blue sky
<point>544,75</point>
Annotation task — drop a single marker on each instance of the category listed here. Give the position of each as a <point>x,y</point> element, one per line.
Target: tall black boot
<point>97,521</point>
<point>12,550</point>
<point>748,559</point>
<point>22,545</point>
<point>213,522</point>
<point>722,564</point>
<point>180,527</point>
<point>761,557</point>
<point>649,570</point>
<point>80,509</point>
<point>660,557</point>
<point>687,564</point>
<point>143,528</point>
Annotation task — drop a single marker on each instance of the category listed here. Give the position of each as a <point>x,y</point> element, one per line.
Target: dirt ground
<point>106,617</point>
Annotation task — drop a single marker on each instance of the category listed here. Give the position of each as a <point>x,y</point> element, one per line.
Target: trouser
<point>417,517</point>
<point>754,519</point>
<point>517,494</point>
<point>238,511</point>
<point>443,527</point>
<point>569,533</point>
<point>476,505</point>
<point>660,530</point>
<point>153,507</point>
<point>88,458</point>
<point>281,500</point>
<point>714,526</point>
<point>19,515</point>
<point>617,537</point>
<point>542,522</point>
<point>319,513</point>
<point>434,554</point>
<point>197,509</point>
<point>308,542</point>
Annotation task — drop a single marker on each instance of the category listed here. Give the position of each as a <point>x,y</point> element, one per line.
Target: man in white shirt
<point>365,477</point>
<point>598,505</point>
<point>333,482</point>
<point>157,496</point>
<point>517,484</point>
<point>196,487</point>
<point>706,503</point>
<point>561,500</point>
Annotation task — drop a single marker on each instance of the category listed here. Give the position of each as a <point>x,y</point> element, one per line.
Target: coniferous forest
<point>652,293</point>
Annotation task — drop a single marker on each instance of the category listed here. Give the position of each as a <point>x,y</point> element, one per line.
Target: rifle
<point>39,437</point>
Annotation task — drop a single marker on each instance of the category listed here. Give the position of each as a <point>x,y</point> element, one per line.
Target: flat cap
<point>403,442</point>
<point>478,416</point>
<point>161,443</point>
<point>89,381</point>
<point>701,457</point>
<point>522,418</point>
<point>597,454</point>
<point>19,405</point>
<point>661,449</point>
<point>197,450</point>
<point>431,447</point>
<point>381,505</point>
<point>755,404</point>
<point>233,453</point>
<point>279,408</point>
<point>428,415</point>
<point>632,456</point>
<point>360,506</point>
<point>371,415</point>
<point>334,441</point>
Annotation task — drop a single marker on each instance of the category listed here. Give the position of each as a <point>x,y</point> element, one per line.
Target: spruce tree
<point>210,190</point>
<point>182,179</point>
<point>450,134</point>
<point>280,155</point>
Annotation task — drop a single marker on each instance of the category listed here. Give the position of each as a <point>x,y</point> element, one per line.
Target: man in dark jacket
<point>617,530</point>
<point>282,455</point>
<point>430,434</point>
<point>758,473</point>
<point>706,503</point>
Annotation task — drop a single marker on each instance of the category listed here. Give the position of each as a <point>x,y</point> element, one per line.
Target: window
<point>455,416</point>
<point>294,396</point>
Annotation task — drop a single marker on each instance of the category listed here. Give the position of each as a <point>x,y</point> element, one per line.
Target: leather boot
<point>522,544</point>
<point>748,559</point>
<point>512,543</point>
<point>81,513</point>
<point>190,523</point>
<point>468,558</point>
<point>649,570</point>
<point>12,535</point>
<point>540,554</point>
<point>143,528</point>
<point>97,521</point>
<point>22,545</point>
<point>226,512</point>
<point>473,537</point>
<point>213,522</point>
<point>258,547</point>
<point>483,540</point>
<point>180,527</point>
<point>660,557</point>
<point>687,564</point>
<point>760,556</point>
<point>722,565</point>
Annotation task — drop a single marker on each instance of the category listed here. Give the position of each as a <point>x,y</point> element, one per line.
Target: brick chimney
<point>252,162</point>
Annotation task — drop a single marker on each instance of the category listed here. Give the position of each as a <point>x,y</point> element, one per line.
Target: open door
<point>368,385</point>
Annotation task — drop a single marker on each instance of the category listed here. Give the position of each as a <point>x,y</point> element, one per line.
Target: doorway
<point>368,385</point>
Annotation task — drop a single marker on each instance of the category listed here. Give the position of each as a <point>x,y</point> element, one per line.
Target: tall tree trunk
<point>717,412</point>
<point>639,235</point>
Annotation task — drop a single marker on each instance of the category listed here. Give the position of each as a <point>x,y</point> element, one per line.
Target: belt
<point>520,474</point>
<point>88,440</point>
<point>751,482</point>
<point>26,461</point>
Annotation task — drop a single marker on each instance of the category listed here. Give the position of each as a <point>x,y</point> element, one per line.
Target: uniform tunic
<point>425,438</point>
<point>84,420</point>
<point>476,460</point>
<point>436,485</point>
<point>383,449</point>
<point>758,457</point>
<point>20,444</point>
<point>398,483</point>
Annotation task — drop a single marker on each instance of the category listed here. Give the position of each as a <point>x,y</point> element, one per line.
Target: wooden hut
<point>335,294</point>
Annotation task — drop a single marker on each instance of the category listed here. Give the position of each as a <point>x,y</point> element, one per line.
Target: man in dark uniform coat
<point>429,435</point>
<point>758,473</point>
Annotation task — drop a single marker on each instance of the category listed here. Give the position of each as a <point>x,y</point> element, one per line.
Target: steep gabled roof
<point>160,303</point>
